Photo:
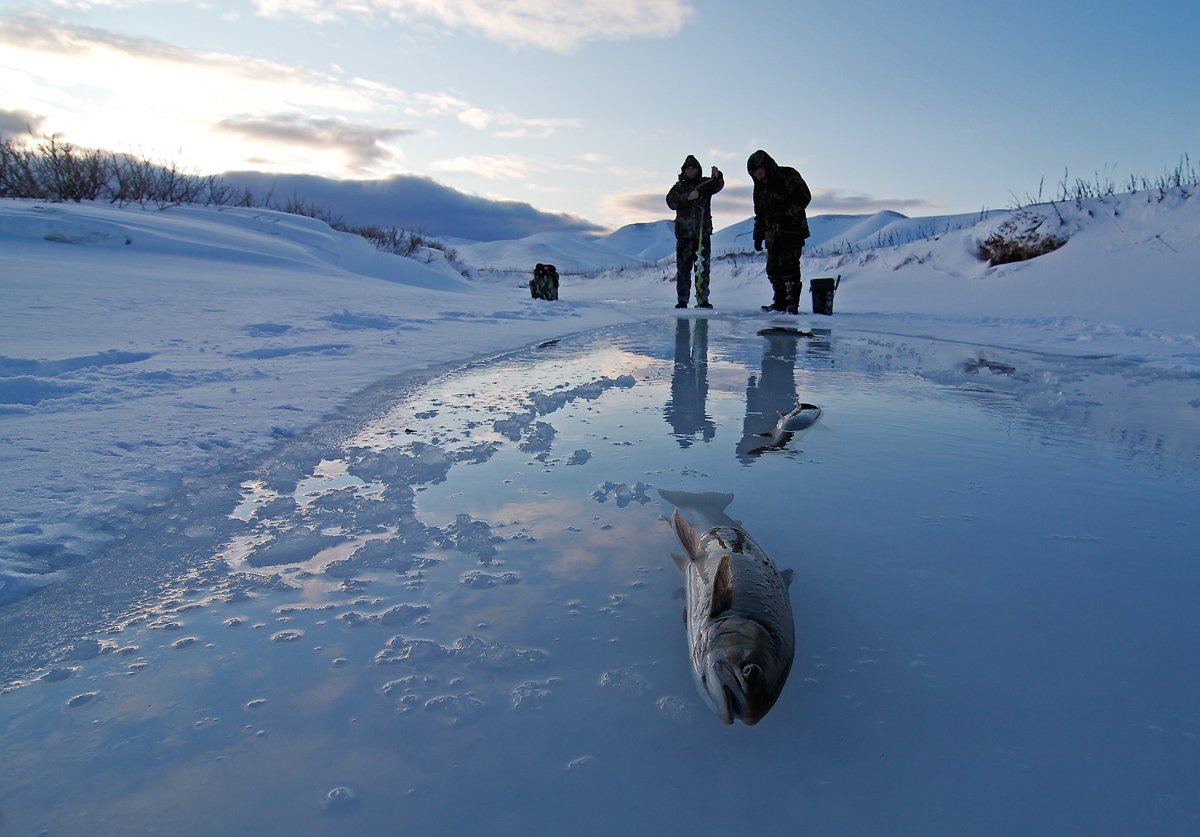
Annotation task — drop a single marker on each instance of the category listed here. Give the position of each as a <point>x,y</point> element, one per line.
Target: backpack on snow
<point>544,284</point>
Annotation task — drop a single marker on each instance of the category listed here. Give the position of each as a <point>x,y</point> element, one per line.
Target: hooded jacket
<point>779,203</point>
<point>693,217</point>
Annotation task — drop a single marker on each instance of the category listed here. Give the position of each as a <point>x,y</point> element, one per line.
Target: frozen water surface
<point>461,615</point>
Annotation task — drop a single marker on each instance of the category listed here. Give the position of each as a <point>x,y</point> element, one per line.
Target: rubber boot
<point>793,296</point>
<point>780,301</point>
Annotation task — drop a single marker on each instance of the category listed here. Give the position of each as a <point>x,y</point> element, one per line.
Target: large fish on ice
<point>741,636</point>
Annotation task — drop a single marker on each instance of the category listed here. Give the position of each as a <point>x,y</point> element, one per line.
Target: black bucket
<point>822,294</point>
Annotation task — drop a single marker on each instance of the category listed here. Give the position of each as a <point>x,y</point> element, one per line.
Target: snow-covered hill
<point>655,242</point>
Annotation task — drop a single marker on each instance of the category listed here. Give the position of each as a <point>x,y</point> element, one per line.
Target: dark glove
<point>758,245</point>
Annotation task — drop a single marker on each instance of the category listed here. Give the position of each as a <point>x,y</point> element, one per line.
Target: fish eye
<point>750,670</point>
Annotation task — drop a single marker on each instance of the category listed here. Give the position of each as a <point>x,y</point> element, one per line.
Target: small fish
<point>741,636</point>
<point>801,417</point>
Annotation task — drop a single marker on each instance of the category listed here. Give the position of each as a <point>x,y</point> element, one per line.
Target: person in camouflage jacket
<point>780,198</point>
<point>691,198</point>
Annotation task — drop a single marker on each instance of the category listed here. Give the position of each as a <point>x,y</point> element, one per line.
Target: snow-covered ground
<point>150,360</point>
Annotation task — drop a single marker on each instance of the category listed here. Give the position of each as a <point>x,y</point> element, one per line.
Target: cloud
<point>361,144</point>
<point>733,203</point>
<point>736,202</point>
<point>15,123</point>
<point>547,24</point>
<point>104,89</point>
<point>481,165</point>
<point>332,123</point>
<point>65,56</point>
<point>412,203</point>
<point>838,201</point>
<point>510,125</point>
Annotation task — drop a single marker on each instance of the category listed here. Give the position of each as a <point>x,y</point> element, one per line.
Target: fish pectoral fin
<point>787,576</point>
<point>722,596</point>
<point>687,536</point>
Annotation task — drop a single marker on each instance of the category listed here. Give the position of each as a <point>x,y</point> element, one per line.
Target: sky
<point>588,107</point>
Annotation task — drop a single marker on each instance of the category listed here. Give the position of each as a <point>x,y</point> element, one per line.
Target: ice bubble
<point>290,635</point>
<point>402,650</point>
<point>80,700</point>
<point>480,580</point>
<point>582,761</point>
<point>55,675</point>
<point>353,618</point>
<point>403,614</point>
<point>674,709</point>
<point>409,683</point>
<point>474,650</point>
<point>532,694</point>
<point>624,681</point>
<point>184,642</point>
<point>256,703</point>
<point>455,706</point>
<point>339,800</point>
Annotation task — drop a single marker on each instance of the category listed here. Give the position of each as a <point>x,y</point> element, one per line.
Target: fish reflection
<point>685,410</point>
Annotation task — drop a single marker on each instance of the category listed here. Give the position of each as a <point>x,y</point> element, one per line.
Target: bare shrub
<point>1021,237</point>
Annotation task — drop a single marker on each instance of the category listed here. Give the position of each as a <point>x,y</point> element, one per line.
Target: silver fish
<point>741,636</point>
<point>800,417</point>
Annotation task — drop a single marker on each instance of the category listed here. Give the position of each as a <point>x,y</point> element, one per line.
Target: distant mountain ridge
<point>649,243</point>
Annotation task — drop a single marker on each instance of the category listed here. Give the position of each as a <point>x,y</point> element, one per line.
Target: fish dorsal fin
<point>722,596</point>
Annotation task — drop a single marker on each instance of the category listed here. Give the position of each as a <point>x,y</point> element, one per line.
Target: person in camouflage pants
<point>691,198</point>
<point>780,198</point>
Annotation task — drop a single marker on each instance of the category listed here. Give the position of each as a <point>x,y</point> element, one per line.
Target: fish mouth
<point>732,701</point>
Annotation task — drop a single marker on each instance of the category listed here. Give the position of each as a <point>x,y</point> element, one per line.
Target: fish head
<point>801,417</point>
<point>742,671</point>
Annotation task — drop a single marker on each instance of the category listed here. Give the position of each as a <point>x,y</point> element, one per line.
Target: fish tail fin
<point>710,501</point>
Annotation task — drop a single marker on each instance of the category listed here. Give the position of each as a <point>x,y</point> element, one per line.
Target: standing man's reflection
<point>771,393</point>
<point>689,384</point>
